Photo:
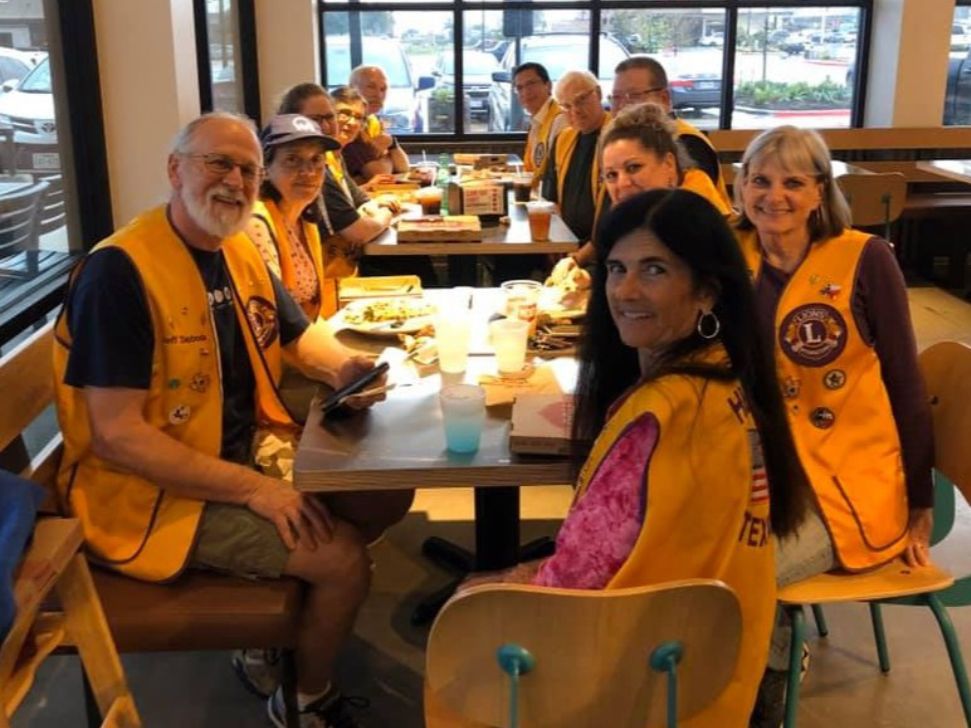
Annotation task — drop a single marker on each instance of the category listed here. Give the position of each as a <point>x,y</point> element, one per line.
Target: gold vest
<point>566,142</point>
<point>129,523</point>
<point>839,410</point>
<point>686,129</point>
<point>340,257</point>
<point>269,213</point>
<point>538,144</point>
<point>707,512</point>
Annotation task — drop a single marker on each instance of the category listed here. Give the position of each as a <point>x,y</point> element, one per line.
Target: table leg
<point>496,528</point>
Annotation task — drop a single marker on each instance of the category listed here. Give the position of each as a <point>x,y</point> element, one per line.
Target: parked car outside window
<point>28,108</point>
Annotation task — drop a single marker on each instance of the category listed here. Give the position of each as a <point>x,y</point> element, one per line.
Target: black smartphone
<point>358,385</point>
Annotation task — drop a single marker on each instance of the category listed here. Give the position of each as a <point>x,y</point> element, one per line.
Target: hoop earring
<point>708,320</point>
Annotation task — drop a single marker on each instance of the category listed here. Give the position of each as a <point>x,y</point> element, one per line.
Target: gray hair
<point>357,74</point>
<point>799,151</point>
<point>644,63</point>
<point>584,77</point>
<point>183,140</point>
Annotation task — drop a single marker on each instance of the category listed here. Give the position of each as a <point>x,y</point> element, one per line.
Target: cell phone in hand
<point>337,398</point>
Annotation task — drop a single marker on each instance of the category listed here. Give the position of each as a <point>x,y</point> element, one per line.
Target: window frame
<point>731,8</point>
<point>249,61</point>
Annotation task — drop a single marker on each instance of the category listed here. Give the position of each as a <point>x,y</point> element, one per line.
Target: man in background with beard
<point>168,354</point>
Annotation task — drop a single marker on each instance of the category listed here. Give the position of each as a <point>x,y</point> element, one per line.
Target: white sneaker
<point>259,670</point>
<point>330,711</point>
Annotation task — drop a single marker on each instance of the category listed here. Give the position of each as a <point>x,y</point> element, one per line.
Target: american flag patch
<point>760,479</point>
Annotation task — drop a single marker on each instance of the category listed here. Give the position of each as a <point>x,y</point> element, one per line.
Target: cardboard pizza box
<point>541,424</point>
<point>434,229</point>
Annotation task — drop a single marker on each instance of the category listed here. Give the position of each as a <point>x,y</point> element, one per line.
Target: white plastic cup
<point>452,326</point>
<point>522,301</point>
<point>509,338</point>
<point>463,415</point>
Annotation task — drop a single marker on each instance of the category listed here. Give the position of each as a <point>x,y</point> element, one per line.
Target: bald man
<point>572,178</point>
<point>375,151</point>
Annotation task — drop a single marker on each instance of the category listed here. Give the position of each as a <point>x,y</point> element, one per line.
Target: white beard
<point>220,221</point>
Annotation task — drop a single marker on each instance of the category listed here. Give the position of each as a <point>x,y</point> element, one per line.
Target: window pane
<point>35,169</point>
<point>688,43</point>
<point>498,41</point>
<point>795,66</point>
<point>957,100</point>
<point>223,30</point>
<point>408,45</point>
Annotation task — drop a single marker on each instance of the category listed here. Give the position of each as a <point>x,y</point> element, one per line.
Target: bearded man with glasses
<point>641,78</point>
<point>168,356</point>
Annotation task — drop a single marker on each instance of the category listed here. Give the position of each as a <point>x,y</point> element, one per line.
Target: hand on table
<point>389,202</point>
<point>353,368</point>
<point>378,179</point>
<point>918,548</point>
<point>299,517</point>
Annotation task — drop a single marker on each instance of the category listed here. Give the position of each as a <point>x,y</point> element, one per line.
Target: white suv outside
<point>28,108</point>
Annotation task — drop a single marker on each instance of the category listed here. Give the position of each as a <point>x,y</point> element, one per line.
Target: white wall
<point>908,62</point>
<point>288,47</point>
<point>149,90</point>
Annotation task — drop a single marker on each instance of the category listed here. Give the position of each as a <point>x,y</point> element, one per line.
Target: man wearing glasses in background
<point>641,78</point>
<point>168,356</point>
<point>531,81</point>
<point>572,177</point>
<point>374,152</point>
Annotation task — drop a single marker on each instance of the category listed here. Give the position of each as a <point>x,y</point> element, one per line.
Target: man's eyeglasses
<point>633,97</point>
<point>577,100</point>
<point>520,87</point>
<point>346,116</point>
<point>313,164</point>
<point>219,165</point>
<point>320,119</point>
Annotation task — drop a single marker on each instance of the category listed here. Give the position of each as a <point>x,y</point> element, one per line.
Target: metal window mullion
<point>458,47</point>
<point>730,34</point>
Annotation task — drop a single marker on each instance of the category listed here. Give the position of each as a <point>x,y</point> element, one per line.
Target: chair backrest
<point>592,651</point>
<point>946,368</point>
<point>52,215</point>
<point>874,199</point>
<point>19,215</point>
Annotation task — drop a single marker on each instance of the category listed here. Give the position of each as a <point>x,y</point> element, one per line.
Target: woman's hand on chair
<point>918,551</point>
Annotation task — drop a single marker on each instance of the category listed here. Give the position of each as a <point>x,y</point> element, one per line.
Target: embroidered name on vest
<point>738,404</point>
<point>813,335</point>
<point>755,531</point>
<point>193,339</point>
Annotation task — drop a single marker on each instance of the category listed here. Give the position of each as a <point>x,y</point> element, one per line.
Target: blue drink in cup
<point>463,414</point>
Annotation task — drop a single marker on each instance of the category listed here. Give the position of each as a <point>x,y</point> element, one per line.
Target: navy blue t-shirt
<point>113,339</point>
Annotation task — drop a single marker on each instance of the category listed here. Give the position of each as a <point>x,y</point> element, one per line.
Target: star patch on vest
<point>813,335</point>
<point>834,379</point>
<point>822,417</point>
<point>262,318</point>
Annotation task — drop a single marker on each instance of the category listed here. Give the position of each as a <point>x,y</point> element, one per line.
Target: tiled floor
<point>384,660</point>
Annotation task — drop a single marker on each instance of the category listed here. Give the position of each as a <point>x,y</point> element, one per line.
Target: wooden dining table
<point>958,170</point>
<point>400,443</point>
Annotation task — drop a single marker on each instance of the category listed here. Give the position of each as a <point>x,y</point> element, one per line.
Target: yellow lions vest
<point>839,410</point>
<point>566,142</point>
<point>707,512</point>
<point>269,213</point>
<point>538,144</point>
<point>686,129</point>
<point>700,183</point>
<point>340,258</point>
<point>130,524</point>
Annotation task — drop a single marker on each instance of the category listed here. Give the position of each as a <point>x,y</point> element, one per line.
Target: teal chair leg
<point>795,659</point>
<point>665,658</point>
<point>953,652</point>
<point>820,620</point>
<point>876,617</point>
<point>514,660</point>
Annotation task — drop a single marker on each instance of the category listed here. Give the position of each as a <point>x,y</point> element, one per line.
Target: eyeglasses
<point>633,97</point>
<point>346,116</point>
<point>520,87</point>
<point>293,163</point>
<point>219,165</point>
<point>319,119</point>
<point>577,100</point>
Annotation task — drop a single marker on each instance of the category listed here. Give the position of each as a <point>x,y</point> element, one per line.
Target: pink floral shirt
<point>603,525</point>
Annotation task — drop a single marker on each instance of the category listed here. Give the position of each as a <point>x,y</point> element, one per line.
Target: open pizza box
<point>541,424</point>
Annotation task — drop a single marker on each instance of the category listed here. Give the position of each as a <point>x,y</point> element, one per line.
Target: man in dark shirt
<point>119,370</point>
<point>572,179</point>
<point>641,78</point>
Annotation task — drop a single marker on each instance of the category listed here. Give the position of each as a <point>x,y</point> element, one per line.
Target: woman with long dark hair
<point>688,466</point>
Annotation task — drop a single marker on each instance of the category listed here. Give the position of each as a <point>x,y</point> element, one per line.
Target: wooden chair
<point>875,199</point>
<point>599,657</point>
<point>54,564</point>
<point>199,611</point>
<point>946,368</point>
<point>19,216</point>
